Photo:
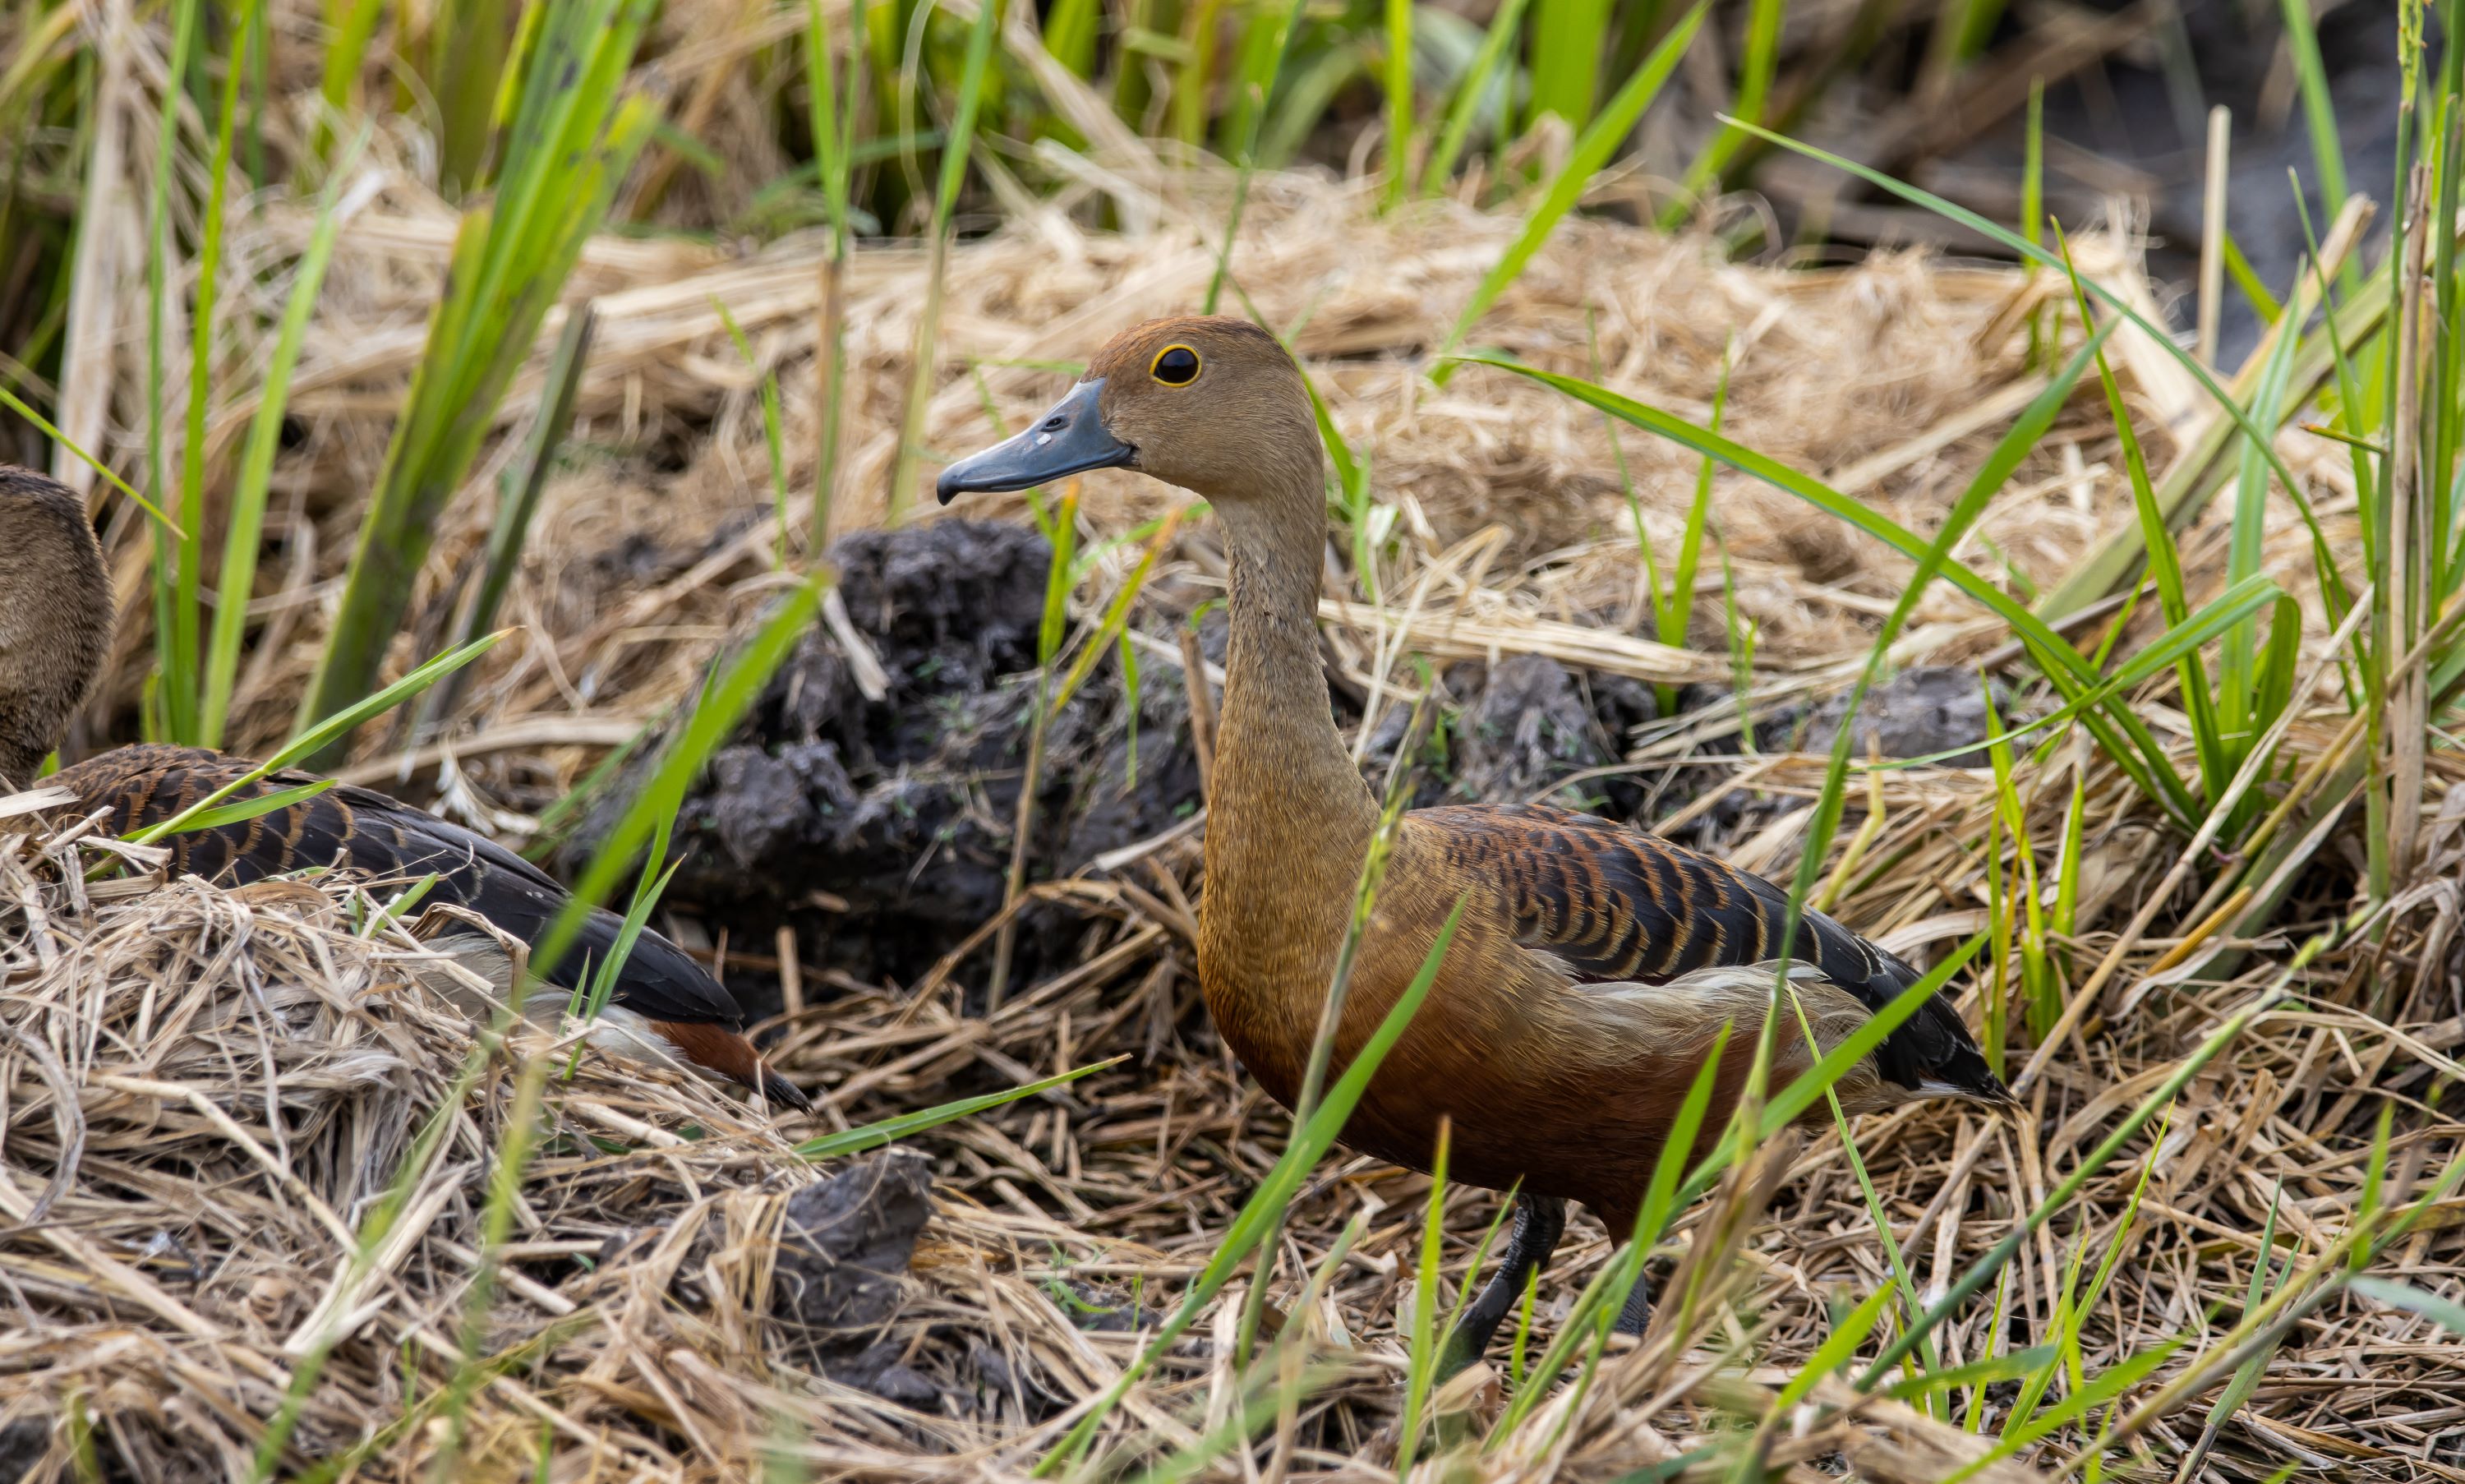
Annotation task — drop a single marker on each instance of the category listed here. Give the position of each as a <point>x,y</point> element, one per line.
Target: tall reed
<point>573,133</point>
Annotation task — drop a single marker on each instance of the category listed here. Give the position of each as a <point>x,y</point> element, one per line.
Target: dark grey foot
<point>1637,1312</point>
<point>1539,1220</point>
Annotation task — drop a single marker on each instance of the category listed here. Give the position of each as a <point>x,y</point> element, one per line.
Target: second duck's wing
<point>1614,905</point>
<point>362,829</point>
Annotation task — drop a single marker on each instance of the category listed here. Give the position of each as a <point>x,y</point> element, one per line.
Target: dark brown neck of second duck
<point>54,618</point>
<point>1289,818</point>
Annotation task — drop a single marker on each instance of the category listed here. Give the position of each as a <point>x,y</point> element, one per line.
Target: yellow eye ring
<point>1175,366</point>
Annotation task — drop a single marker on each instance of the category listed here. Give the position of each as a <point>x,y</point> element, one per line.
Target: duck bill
<point>1068,440</point>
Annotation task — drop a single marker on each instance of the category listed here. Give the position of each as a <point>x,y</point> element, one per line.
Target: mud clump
<point>24,1444</point>
<point>1515,732</point>
<point>1921,712</point>
<point>1533,722</point>
<point>844,1247</point>
<point>880,828</point>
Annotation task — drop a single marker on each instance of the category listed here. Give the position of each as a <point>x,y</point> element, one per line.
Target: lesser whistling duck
<point>56,614</point>
<point>1594,965</point>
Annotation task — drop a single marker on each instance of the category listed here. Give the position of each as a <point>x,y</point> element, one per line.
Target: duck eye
<point>1176,365</point>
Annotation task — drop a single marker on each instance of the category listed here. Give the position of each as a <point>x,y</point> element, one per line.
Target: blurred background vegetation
<point>754,139</point>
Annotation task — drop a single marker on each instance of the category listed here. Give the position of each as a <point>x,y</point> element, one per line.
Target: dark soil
<point>881,829</point>
<point>1919,713</point>
<point>1514,731</point>
<point>23,1443</point>
<point>844,1245</point>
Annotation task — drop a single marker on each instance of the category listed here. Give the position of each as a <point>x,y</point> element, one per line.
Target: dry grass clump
<point>209,1096</point>
<point>209,1092</point>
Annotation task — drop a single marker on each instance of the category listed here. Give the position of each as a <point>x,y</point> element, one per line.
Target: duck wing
<point>366,830</point>
<point>1615,905</point>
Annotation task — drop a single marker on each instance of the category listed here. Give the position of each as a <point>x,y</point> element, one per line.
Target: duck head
<point>1210,403</point>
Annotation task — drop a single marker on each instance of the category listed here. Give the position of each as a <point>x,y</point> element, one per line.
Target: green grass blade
<point>246,809</point>
<point>834,129</point>
<point>1264,1209</point>
<point>1479,88</point>
<point>771,441</point>
<point>831,116</point>
<point>1660,1197</point>
<point>512,1157</point>
<point>2054,655</point>
<point>956,150</point>
<point>971,99</point>
<point>1569,37</point>
<point>1676,618</point>
<point>1756,69</point>
<point>2184,1071</point>
<point>2318,108</point>
<point>1741,650</point>
<point>1263,1401</point>
<point>2239,681</point>
<point>353,24</point>
<point>1115,620</point>
<point>1192,83</point>
<point>471,40</point>
<point>2033,209</point>
<point>599,985</point>
<point>1311,84</point>
<point>2446,1313</point>
<point>1983,1372</point>
<point>2247,279</point>
<point>519,494</point>
<point>1597,1307</point>
<point>873,1135</point>
<point>1259,67</point>
<point>2217,617</point>
<point>709,725</point>
<point>722,702</point>
<point>1421,1352</point>
<point>2014,446</point>
<point>43,425</point>
<point>178,657</point>
<point>570,141</point>
<point>1801,1091</point>
<point>2068,598</point>
<point>2109,1384</point>
<point>1599,140</point>
<point>314,739</point>
<point>1835,1352</point>
<point>2247,1375</point>
<point>246,517</point>
<point>1397,75</point>
<point>1822,828</point>
<point>1070,36</point>
<point>2164,563</point>
<point>158,251</point>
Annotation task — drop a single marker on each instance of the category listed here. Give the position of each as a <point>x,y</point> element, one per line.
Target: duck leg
<point>1637,1312</point>
<point>1540,1221</point>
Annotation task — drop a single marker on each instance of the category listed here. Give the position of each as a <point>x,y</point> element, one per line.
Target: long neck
<point>22,751</point>
<point>54,618</point>
<point>1289,819</point>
